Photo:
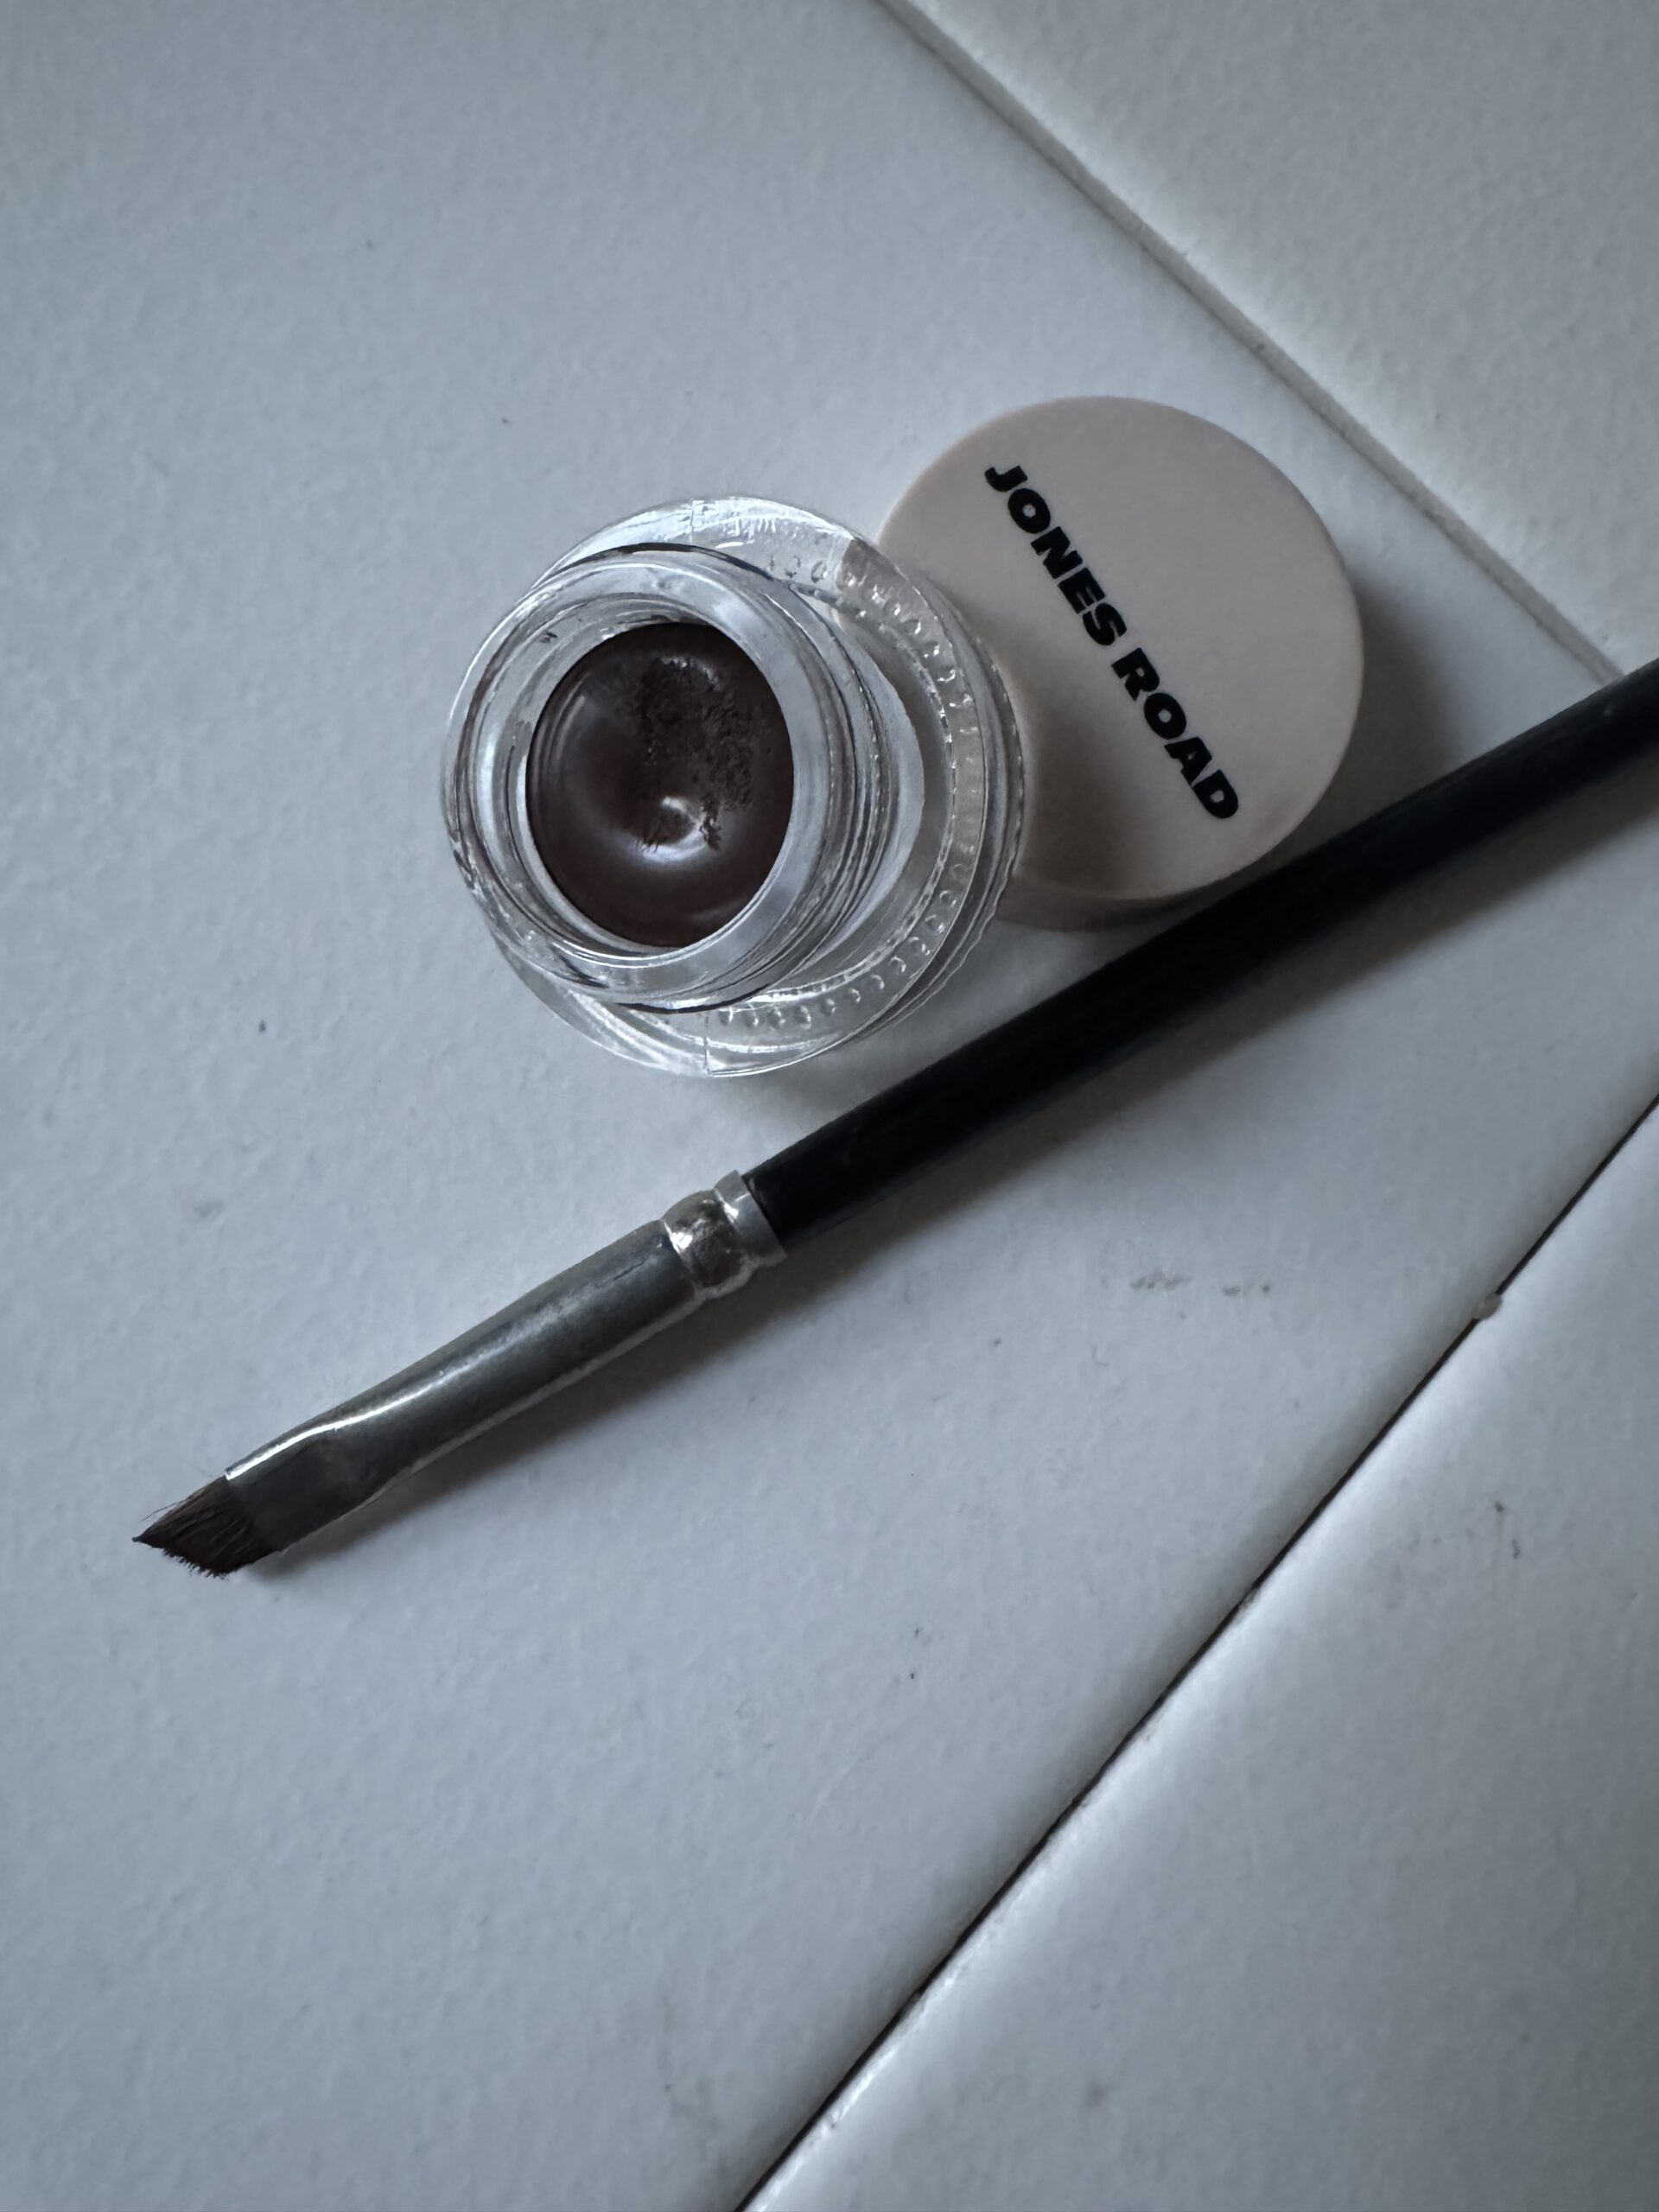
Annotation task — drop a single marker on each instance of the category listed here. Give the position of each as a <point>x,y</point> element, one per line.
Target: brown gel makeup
<point>658,783</point>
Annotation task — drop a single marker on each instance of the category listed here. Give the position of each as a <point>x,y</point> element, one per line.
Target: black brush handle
<point>862,1155</point>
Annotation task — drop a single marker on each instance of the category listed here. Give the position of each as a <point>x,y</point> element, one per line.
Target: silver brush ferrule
<point>707,1246</point>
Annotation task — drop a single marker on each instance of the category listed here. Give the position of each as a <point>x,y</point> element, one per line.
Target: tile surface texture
<point>565,1834</point>
<point>1444,220</point>
<point>1366,1916</point>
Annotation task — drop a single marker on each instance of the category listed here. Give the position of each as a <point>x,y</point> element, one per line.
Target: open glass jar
<point>733,784</point>
<point>904,792</point>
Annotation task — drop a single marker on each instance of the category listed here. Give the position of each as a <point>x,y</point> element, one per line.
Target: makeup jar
<point>853,689</point>
<point>733,783</point>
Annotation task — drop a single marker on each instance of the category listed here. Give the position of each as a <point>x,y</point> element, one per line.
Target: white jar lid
<point>1176,631</point>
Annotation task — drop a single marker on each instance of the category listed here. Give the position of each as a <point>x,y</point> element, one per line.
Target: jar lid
<point>1177,634</point>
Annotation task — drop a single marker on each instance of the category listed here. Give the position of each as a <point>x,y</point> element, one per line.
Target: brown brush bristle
<point>209,1530</point>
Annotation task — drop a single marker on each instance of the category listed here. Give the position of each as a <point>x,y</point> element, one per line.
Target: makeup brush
<point>711,1245</point>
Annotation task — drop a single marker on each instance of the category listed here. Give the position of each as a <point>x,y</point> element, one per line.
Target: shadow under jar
<point>731,787</point>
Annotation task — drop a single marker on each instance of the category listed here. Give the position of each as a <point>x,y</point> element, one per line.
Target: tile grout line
<point>939,1977</point>
<point>996,96</point>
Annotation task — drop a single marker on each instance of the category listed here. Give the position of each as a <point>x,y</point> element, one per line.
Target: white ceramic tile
<point>1444,220</point>
<point>565,1837</point>
<point>1367,1916</point>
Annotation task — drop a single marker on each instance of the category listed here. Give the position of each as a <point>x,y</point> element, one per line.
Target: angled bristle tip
<point>209,1530</point>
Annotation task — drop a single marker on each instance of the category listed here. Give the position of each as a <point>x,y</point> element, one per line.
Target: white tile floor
<point>1444,221</point>
<point>1367,1915</point>
<point>566,1835</point>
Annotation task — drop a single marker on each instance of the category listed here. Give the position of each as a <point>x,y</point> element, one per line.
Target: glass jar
<point>904,819</point>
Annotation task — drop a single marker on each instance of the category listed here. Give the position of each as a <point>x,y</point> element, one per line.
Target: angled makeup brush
<point>712,1243</point>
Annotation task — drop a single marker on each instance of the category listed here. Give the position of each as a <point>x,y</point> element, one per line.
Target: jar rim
<point>577,607</point>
